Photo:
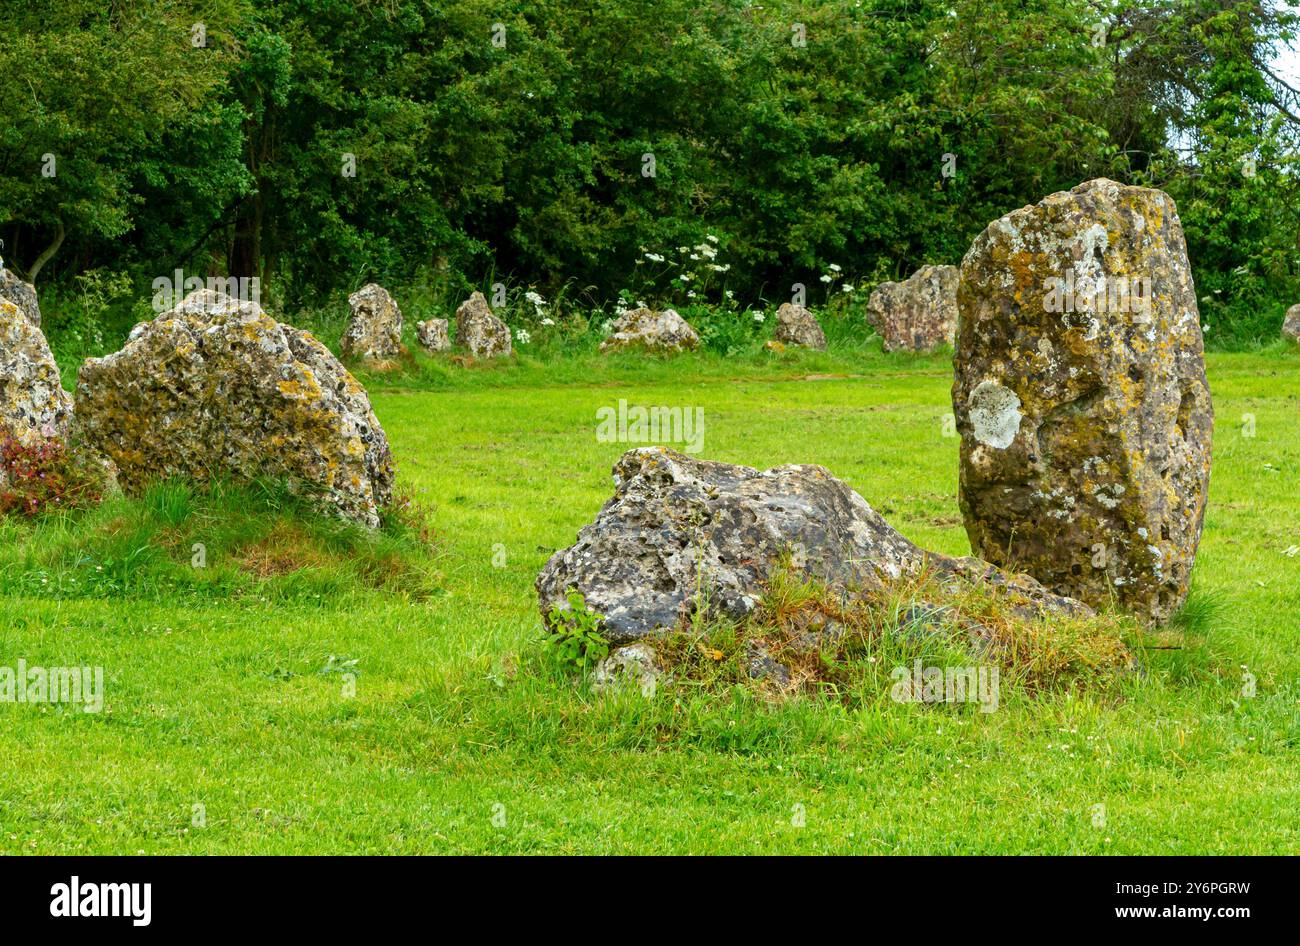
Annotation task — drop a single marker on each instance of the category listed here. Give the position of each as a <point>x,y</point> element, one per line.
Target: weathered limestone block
<point>21,294</point>
<point>1291,324</point>
<point>432,336</point>
<point>33,405</point>
<point>795,325</point>
<point>480,331</point>
<point>374,331</point>
<point>1081,398</point>
<point>216,387</point>
<point>664,331</point>
<point>918,314</point>
<point>675,522</point>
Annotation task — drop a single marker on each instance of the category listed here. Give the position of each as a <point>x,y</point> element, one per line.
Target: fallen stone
<point>21,294</point>
<point>664,331</point>
<point>432,336</point>
<point>216,387</point>
<point>681,533</point>
<point>374,331</point>
<point>1081,397</point>
<point>795,325</point>
<point>918,314</point>
<point>480,331</point>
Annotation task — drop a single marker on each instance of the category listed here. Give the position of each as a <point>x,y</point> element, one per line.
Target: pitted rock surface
<point>1084,412</point>
<point>480,331</point>
<point>918,314</point>
<point>664,331</point>
<point>33,405</point>
<point>795,325</point>
<point>1291,324</point>
<point>217,387</point>
<point>675,522</point>
<point>432,336</point>
<point>21,294</point>
<point>374,331</point>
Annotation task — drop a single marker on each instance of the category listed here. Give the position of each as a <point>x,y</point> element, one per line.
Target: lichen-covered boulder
<point>676,523</point>
<point>664,331</point>
<point>33,405</point>
<point>216,387</point>
<point>795,325</point>
<point>21,294</point>
<point>918,314</point>
<point>1291,324</point>
<point>432,336</point>
<point>374,331</point>
<point>480,331</point>
<point>1081,399</point>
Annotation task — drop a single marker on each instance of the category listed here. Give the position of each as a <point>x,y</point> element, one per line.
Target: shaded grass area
<point>233,697</point>
<point>222,541</point>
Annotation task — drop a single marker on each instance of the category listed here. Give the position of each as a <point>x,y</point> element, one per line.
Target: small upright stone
<point>480,331</point>
<point>21,294</point>
<point>1291,324</point>
<point>432,336</point>
<point>918,314</point>
<point>374,332</point>
<point>1081,399</point>
<point>664,331</point>
<point>795,325</point>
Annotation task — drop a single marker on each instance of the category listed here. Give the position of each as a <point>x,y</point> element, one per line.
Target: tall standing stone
<point>1081,397</point>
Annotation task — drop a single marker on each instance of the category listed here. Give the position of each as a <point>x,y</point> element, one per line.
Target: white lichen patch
<point>995,414</point>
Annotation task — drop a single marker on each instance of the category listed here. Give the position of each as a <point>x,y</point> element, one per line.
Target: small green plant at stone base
<point>575,632</point>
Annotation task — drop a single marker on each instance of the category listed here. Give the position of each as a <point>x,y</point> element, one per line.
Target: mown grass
<point>229,689</point>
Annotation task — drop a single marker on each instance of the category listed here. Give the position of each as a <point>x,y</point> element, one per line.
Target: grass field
<point>226,687</point>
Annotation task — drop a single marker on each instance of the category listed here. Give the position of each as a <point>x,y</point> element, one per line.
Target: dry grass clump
<point>806,637</point>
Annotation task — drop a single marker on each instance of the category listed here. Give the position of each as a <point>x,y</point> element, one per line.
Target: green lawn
<point>458,738</point>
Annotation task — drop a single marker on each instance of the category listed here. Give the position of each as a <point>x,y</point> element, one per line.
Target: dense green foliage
<point>318,144</point>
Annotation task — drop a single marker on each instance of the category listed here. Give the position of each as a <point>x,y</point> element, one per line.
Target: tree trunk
<point>246,252</point>
<point>47,254</point>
